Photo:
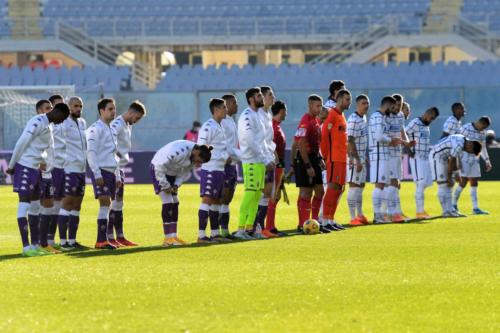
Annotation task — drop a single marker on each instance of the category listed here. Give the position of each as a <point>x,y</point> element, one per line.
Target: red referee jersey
<point>309,128</point>
<point>279,140</point>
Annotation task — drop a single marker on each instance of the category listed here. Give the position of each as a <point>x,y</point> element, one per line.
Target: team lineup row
<point>49,161</point>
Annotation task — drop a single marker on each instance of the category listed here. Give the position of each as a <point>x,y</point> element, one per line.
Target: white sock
<point>359,201</point>
<point>419,196</point>
<point>201,233</point>
<point>22,210</point>
<point>264,201</point>
<point>391,203</point>
<point>442,197</point>
<point>383,205</point>
<point>473,196</point>
<point>351,201</point>
<point>377,200</point>
<point>224,209</point>
<point>397,201</point>
<point>34,208</point>
<point>458,191</point>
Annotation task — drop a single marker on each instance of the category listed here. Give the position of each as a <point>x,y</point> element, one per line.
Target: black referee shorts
<point>302,179</point>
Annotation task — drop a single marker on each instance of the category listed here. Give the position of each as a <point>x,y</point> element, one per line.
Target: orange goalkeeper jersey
<point>334,137</point>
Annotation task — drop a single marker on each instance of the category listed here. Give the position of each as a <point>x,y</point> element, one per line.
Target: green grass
<point>441,275</point>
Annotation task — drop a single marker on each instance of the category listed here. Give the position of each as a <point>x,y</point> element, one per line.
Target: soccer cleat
<point>31,252</point>
<point>67,247</point>
<point>43,251</point>
<point>278,233</point>
<point>56,246</point>
<point>323,229</point>
<point>455,208</point>
<point>329,226</point>
<point>79,247</point>
<point>242,235</point>
<point>268,234</point>
<point>397,219</point>
<point>363,219</point>
<point>423,215</point>
<point>205,240</point>
<point>300,229</point>
<point>479,211</point>
<point>104,246</point>
<point>337,227</point>
<point>449,214</point>
<point>379,219</point>
<point>51,249</point>
<point>115,243</point>
<point>355,222</point>
<point>258,235</point>
<point>220,239</point>
<point>174,241</point>
<point>125,242</point>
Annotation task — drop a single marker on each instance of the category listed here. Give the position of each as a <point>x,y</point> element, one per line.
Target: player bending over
<point>470,170</point>
<point>357,136</point>
<point>418,131</point>
<point>170,167</point>
<point>443,158</point>
<point>30,153</point>
<point>122,129</point>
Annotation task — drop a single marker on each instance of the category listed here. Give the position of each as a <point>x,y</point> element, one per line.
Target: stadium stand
<point>224,17</point>
<point>87,79</point>
<point>359,76</point>
<point>483,12</point>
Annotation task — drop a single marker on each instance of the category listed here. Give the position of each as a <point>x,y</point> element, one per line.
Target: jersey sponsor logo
<point>301,132</point>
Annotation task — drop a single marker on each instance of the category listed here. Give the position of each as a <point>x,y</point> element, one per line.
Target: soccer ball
<point>311,227</point>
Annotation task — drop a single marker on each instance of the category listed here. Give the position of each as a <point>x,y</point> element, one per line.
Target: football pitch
<point>438,275</point>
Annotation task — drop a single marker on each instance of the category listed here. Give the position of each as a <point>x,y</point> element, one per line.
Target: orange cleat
<point>125,242</point>
<point>104,246</point>
<point>397,219</point>
<point>363,219</point>
<point>114,243</point>
<point>423,215</point>
<point>50,249</point>
<point>356,222</point>
<point>268,234</point>
<point>174,241</point>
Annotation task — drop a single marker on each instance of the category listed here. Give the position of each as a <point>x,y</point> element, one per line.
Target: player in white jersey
<point>57,174</point>
<point>75,159</point>
<point>470,170</point>
<point>171,166</point>
<point>453,124</point>
<point>256,161</point>
<point>443,158</point>
<point>212,173</point>
<point>103,162</point>
<point>122,128</point>
<point>357,135</point>
<point>378,148</point>
<point>230,170</point>
<point>406,109</point>
<point>33,150</point>
<point>266,117</point>
<point>334,88</point>
<point>418,131</point>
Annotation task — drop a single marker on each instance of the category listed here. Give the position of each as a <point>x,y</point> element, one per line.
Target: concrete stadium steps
<point>25,15</point>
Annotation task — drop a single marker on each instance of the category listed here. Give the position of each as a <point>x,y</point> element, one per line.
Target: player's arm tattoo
<point>351,148</point>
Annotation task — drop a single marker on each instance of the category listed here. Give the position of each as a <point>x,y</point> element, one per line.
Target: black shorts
<point>302,178</point>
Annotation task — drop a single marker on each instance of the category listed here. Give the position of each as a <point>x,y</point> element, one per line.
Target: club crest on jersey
<point>330,126</point>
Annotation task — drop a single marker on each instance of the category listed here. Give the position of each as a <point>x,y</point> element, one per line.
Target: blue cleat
<point>479,211</point>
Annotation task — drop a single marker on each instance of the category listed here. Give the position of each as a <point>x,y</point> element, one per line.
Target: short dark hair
<point>137,106</point>
<point>227,97</point>
<point>343,92</point>
<point>334,86</point>
<point>361,97</point>
<point>387,100</point>
<point>265,89</point>
<point>62,108</point>
<point>314,97</point>
<point>215,103</point>
<point>251,93</point>
<point>477,147</point>
<point>433,109</point>
<point>54,97</point>
<point>485,120</point>
<point>398,97</point>
<point>41,102</point>
<point>456,106</point>
<point>196,123</point>
<point>103,102</point>
<point>205,152</point>
<point>277,107</point>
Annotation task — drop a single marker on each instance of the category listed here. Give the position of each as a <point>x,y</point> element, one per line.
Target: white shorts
<point>439,170</point>
<point>354,176</point>
<point>395,168</point>
<point>469,167</point>
<point>421,171</point>
<point>379,172</point>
